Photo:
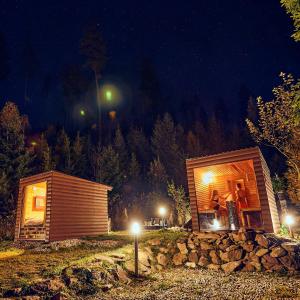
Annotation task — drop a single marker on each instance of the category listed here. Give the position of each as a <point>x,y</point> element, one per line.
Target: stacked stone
<point>230,251</point>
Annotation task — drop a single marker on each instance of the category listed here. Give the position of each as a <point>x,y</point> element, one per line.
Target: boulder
<point>257,265</point>
<point>215,257</point>
<point>154,242</point>
<point>261,252</point>
<point>207,235</point>
<point>235,254</point>
<point>213,267</point>
<point>289,262</point>
<point>162,259</point>
<point>163,250</point>
<point>232,247</point>
<point>231,266</point>
<point>203,261</point>
<point>182,248</point>
<point>144,258</point>
<point>248,267</point>
<point>268,261</point>
<point>248,246</point>
<point>190,265</point>
<point>290,247</point>
<point>179,259</point>
<point>122,275</point>
<point>278,252</point>
<point>262,240</point>
<point>193,257</point>
<point>206,246</point>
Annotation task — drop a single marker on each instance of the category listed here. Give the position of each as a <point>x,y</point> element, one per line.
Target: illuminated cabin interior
<point>231,190</point>
<point>34,210</point>
<point>218,184</point>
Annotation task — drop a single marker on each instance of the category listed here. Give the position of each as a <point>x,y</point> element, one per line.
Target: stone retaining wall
<point>228,251</point>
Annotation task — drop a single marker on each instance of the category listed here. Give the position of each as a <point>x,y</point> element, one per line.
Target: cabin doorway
<point>34,211</point>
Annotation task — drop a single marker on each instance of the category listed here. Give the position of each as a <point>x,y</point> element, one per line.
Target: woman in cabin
<point>218,204</point>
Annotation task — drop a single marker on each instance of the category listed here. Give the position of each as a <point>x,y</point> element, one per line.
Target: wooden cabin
<point>54,206</point>
<point>241,178</point>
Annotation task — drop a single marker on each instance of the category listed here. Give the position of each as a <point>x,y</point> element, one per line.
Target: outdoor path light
<point>162,212</point>
<point>136,230</point>
<point>289,221</point>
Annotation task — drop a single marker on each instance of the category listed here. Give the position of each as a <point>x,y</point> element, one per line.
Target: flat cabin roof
<point>224,157</point>
<point>45,175</point>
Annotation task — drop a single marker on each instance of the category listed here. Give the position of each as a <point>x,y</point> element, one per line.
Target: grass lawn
<point>20,267</point>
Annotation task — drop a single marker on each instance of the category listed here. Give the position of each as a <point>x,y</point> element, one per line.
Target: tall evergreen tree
<point>134,168</point>
<point>138,143</point>
<point>63,152</point>
<point>78,157</point>
<point>165,146</point>
<point>193,148</point>
<point>217,141</point>
<point>92,46</point>
<point>121,148</point>
<point>157,176</point>
<point>44,156</point>
<point>15,160</point>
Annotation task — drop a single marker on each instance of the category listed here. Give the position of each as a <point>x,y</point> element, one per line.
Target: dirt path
<point>204,284</point>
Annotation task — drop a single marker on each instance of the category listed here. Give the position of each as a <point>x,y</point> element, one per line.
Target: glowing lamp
<point>135,228</point>
<point>216,224</point>
<point>289,220</point>
<point>82,112</point>
<point>208,177</point>
<point>162,211</point>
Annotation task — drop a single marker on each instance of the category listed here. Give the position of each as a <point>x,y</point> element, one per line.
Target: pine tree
<point>15,160</point>
<point>63,153</point>
<point>157,176</point>
<point>134,168</point>
<point>107,170</point>
<point>165,146</point>
<point>193,148</point>
<point>44,156</point>
<point>92,46</point>
<point>139,144</point>
<point>121,149</point>
<point>217,142</point>
<point>78,157</point>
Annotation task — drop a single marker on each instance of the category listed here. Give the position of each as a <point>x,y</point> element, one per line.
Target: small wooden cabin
<point>54,206</point>
<point>214,180</point>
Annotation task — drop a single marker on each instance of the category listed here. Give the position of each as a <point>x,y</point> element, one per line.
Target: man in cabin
<point>241,197</point>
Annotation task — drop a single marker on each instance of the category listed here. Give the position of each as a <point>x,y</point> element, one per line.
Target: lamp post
<point>289,221</point>
<point>135,230</point>
<point>162,212</point>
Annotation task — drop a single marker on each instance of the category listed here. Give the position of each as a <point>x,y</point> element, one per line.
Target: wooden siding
<point>78,207</point>
<point>75,207</point>
<point>262,179</point>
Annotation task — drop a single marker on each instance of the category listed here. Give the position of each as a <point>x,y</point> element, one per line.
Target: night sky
<point>209,48</point>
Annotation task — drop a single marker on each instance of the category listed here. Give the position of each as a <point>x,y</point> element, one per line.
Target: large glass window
<point>34,203</point>
<point>227,196</point>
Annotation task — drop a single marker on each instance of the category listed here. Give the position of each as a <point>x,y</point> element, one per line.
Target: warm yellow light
<point>216,224</point>
<point>162,211</point>
<point>33,143</point>
<point>207,177</point>
<point>82,112</point>
<point>108,95</point>
<point>135,228</point>
<point>289,220</point>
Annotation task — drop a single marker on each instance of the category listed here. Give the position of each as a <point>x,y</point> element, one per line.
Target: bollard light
<point>289,221</point>
<point>136,230</point>
<point>162,212</point>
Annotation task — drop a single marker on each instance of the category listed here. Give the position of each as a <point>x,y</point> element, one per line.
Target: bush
<point>7,227</point>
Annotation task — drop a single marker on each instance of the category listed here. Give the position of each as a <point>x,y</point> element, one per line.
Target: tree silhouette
<point>92,46</point>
